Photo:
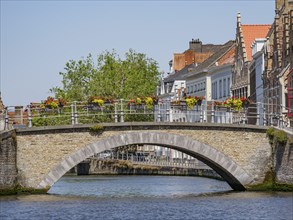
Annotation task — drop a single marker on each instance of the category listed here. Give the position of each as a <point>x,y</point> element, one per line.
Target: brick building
<point>196,54</point>
<point>278,61</point>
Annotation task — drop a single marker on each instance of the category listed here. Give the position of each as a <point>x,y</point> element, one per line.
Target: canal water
<point>146,197</point>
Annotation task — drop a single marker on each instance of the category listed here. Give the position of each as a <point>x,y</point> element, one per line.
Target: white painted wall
<point>221,80</point>
<point>197,86</point>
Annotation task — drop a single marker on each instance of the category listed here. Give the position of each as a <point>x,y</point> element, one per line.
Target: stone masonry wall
<point>8,169</point>
<point>40,153</point>
<point>283,162</point>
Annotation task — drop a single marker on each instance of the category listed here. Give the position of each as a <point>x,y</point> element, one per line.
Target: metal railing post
<point>168,115</point>
<point>75,113</point>
<point>201,114</point>
<point>6,120</point>
<point>245,116</point>
<point>72,114</point>
<point>159,112</point>
<point>213,113</point>
<point>264,117</point>
<point>271,118</point>
<point>121,111</point>
<point>257,113</point>
<point>29,113</point>
<point>281,118</point>
<point>115,113</point>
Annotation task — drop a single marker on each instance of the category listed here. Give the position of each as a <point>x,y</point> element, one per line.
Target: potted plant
<point>149,102</point>
<point>61,102</point>
<point>199,99</point>
<point>51,103</point>
<point>245,102</point>
<point>190,102</point>
<point>98,102</point>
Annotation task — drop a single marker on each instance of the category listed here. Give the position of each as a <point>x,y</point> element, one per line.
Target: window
<point>216,90</point>
<point>224,87</point>
<point>220,89</point>
<point>204,86</point>
<point>213,90</point>
<point>228,86</point>
<point>195,88</point>
<point>191,90</point>
<point>187,89</point>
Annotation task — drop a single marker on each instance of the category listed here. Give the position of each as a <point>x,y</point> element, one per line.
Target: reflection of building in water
<point>153,152</point>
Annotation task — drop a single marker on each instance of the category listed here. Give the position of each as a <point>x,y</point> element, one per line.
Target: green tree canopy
<point>110,77</point>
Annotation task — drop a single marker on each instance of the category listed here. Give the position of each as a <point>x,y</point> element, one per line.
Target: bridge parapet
<point>124,111</point>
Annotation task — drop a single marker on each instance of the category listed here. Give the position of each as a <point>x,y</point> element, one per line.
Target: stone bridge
<point>241,154</point>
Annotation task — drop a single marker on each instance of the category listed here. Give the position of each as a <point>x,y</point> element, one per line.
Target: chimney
<point>195,45</point>
<point>18,114</point>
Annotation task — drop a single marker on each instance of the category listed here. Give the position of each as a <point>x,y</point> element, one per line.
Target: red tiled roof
<point>250,33</point>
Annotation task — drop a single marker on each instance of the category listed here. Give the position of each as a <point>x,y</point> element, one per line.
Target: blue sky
<point>39,37</point>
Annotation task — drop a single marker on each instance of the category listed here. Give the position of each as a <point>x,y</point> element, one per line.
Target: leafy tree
<point>112,77</point>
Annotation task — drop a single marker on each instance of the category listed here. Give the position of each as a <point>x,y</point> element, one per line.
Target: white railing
<point>122,111</point>
<point>172,164</point>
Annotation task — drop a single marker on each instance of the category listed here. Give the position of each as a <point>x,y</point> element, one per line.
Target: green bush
<point>84,119</point>
<point>97,128</point>
<point>270,134</point>
<point>281,137</point>
<point>139,116</point>
<point>51,121</point>
<point>277,136</point>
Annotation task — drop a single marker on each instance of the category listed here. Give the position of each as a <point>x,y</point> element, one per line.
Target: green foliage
<point>149,102</point>
<point>270,134</point>
<point>190,102</point>
<point>111,77</point>
<point>139,117</point>
<point>84,119</point>
<point>19,190</point>
<point>99,102</point>
<point>51,121</point>
<point>278,136</point>
<point>281,137</point>
<point>97,129</point>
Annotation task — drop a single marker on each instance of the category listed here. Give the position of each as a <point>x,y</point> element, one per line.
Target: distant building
<point>256,71</point>
<point>173,87</point>
<point>2,116</point>
<point>212,78</point>
<point>196,54</point>
<point>245,36</point>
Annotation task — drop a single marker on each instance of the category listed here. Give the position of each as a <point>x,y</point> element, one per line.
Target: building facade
<point>212,79</point>
<point>278,63</point>
<point>245,35</point>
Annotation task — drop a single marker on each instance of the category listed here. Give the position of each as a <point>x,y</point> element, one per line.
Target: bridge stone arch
<point>234,174</point>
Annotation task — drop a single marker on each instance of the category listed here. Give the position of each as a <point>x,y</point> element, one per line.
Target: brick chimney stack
<point>195,45</point>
